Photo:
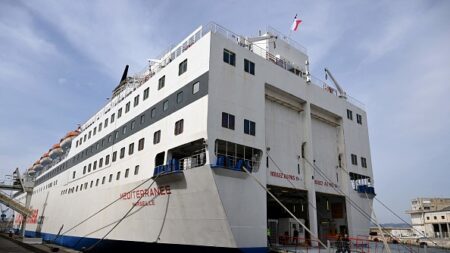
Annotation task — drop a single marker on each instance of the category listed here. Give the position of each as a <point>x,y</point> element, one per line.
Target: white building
<point>214,104</point>
<point>430,217</point>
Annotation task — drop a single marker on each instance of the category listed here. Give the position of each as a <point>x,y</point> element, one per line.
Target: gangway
<point>16,206</point>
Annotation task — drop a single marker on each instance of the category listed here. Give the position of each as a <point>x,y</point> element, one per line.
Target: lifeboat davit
<point>45,159</point>
<point>66,142</point>
<point>37,166</point>
<point>56,151</point>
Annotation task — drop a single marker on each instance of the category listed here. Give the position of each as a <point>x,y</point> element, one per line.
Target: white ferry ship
<point>173,162</point>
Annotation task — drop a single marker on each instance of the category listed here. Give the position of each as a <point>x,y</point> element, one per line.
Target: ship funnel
<point>124,75</point>
<point>122,82</point>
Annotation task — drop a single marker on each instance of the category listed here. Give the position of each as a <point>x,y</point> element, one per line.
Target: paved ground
<point>7,246</point>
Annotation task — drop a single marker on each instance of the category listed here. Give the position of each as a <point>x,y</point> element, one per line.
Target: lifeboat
<point>31,171</point>
<point>37,166</point>
<point>66,142</point>
<point>55,151</point>
<point>45,159</point>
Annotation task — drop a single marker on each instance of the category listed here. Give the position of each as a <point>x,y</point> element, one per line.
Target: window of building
<point>89,167</point>
<point>161,82</point>
<point>133,124</point>
<point>229,57</point>
<point>228,120</point>
<point>354,159</point>
<point>89,136</point>
<point>118,175</point>
<point>110,178</point>
<point>100,162</point>
<point>142,119</point>
<point>94,167</point>
<point>157,137</point>
<point>179,127</point>
<point>136,101</point>
<point>73,174</point>
<point>107,160</point>
<point>166,105</point>
<point>127,171</point>
<point>85,138</point>
<point>443,217</point>
<point>349,114</point>
<point>195,87</point>
<point>249,127</point>
<point>92,183</point>
<point>159,159</point>
<point>116,135</point>
<point>112,117</point>
<point>182,67</point>
<point>179,97</point>
<point>77,144</point>
<point>97,181</point>
<point>249,67</point>
<point>363,162</point>
<point>141,144</point>
<point>81,140</point>
<point>110,138</point>
<point>131,149</point>
<point>100,127</point>
<point>124,129</point>
<point>119,113</point>
<point>435,217</point>
<point>127,107</point>
<point>95,130</point>
<point>114,156</point>
<point>136,169</point>
<point>146,92</point>
<point>106,123</point>
<point>103,180</point>
<point>359,119</point>
<point>153,113</point>
<point>428,218</point>
<point>122,152</point>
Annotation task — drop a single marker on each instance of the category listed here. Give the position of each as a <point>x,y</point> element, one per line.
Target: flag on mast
<point>296,23</point>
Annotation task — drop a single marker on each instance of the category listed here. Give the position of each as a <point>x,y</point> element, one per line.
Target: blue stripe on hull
<point>79,243</point>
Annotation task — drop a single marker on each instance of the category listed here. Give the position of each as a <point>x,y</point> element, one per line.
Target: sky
<point>60,60</point>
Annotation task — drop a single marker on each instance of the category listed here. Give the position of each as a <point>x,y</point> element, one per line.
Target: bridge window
<point>235,156</point>
<point>161,82</point>
<point>229,57</point>
<point>249,67</point>
<point>182,67</point>
<point>228,120</point>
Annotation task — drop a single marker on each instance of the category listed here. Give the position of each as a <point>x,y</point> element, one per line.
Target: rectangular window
<point>100,162</point>
<point>95,130</point>
<point>114,156</point>
<point>153,113</point>
<point>146,92</point>
<point>112,117</point>
<point>136,170</point>
<point>142,119</point>
<point>119,113</point>
<point>195,87</point>
<point>182,67</point>
<point>77,144</point>
<point>166,105</point>
<point>249,67</point>
<point>124,129</point>
<point>136,101</point>
<point>228,120</point>
<point>249,127</point>
<point>354,159</point>
<point>179,127</point>
<point>85,137</point>
<point>81,140</point>
<point>349,114</point>
<point>133,124</point>
<point>110,138</point>
<point>96,182</point>
<point>107,160</point>
<point>141,144</point>
<point>106,123</point>
<point>161,82</point>
<point>89,136</point>
<point>179,97</point>
<point>131,149</point>
<point>116,135</point>
<point>103,180</point>
<point>73,174</point>
<point>89,167</point>
<point>92,183</point>
<point>359,119</point>
<point>127,171</point>
<point>229,57</point>
<point>157,137</point>
<point>118,175</point>
<point>100,127</point>
<point>122,152</point>
<point>110,178</point>
<point>127,107</point>
<point>94,167</point>
<point>363,162</point>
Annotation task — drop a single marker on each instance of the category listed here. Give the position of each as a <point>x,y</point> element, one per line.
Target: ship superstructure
<point>161,165</point>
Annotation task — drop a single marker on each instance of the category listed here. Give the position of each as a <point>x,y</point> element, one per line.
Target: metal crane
<point>342,93</point>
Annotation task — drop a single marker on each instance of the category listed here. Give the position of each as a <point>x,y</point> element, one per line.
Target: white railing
<point>195,160</point>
